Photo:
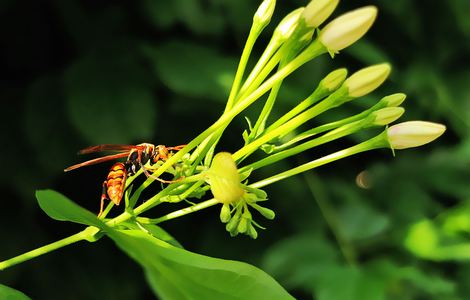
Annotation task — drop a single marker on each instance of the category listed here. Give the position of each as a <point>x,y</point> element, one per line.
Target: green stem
<point>181,212</point>
<point>316,96</point>
<point>86,234</point>
<point>377,142</point>
<point>268,53</point>
<point>285,128</point>
<point>252,37</point>
<point>333,135</point>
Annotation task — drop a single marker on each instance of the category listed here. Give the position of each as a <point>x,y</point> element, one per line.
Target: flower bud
<point>287,26</point>
<point>317,11</point>
<point>366,80</point>
<point>264,12</point>
<point>242,225</point>
<point>252,231</point>
<point>413,134</point>
<point>225,213</point>
<point>393,100</point>
<point>387,115</point>
<point>347,28</point>
<point>334,79</point>
<point>224,178</point>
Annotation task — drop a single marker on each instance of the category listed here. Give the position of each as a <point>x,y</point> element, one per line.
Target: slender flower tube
<point>413,134</point>
<point>317,11</point>
<point>366,80</point>
<point>347,28</point>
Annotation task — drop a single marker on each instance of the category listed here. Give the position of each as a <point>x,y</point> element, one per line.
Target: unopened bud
<point>347,28</point>
<point>413,134</point>
<point>264,13</point>
<point>334,79</point>
<point>366,80</point>
<point>287,26</point>
<point>393,100</point>
<point>317,11</point>
<point>224,178</point>
<point>387,115</point>
<point>225,213</point>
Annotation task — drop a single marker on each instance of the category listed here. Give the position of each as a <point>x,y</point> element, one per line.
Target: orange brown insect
<point>137,157</point>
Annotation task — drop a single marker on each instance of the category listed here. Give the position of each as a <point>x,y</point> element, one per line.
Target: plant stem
<point>86,234</point>
<point>377,142</point>
<point>283,129</point>
<point>184,211</point>
<point>333,135</point>
<point>252,37</point>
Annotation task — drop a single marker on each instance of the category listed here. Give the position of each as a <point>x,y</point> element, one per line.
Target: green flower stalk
<point>198,170</point>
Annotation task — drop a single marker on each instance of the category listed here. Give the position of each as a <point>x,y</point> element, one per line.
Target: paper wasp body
<point>137,157</point>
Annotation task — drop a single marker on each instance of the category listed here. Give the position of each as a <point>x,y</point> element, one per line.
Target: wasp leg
<point>104,196</point>
<point>155,177</point>
<point>177,148</point>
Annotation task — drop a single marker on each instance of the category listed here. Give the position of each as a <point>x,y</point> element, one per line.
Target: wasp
<point>137,156</point>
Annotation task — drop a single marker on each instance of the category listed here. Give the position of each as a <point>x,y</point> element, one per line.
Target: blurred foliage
<point>78,73</point>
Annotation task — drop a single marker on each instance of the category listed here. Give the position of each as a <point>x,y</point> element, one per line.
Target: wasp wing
<point>97,160</point>
<point>107,147</point>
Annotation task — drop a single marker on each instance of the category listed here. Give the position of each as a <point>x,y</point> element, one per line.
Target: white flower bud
<point>366,80</point>
<point>347,28</point>
<point>264,12</point>
<point>317,11</point>
<point>224,178</point>
<point>413,134</point>
<point>387,115</point>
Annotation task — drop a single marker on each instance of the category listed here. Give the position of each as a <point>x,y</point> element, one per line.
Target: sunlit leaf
<point>175,273</point>
<point>7,293</point>
<point>60,208</point>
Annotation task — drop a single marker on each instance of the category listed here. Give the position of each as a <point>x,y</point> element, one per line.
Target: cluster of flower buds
<point>236,198</point>
<point>299,38</point>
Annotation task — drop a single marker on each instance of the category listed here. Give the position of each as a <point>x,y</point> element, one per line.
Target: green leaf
<point>110,99</point>
<point>7,293</point>
<point>175,273</point>
<point>193,70</point>
<point>60,208</point>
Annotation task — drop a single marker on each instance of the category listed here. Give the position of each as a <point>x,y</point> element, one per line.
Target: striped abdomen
<point>115,182</point>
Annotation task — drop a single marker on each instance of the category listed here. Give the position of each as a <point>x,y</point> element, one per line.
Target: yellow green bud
<point>366,80</point>
<point>387,115</point>
<point>347,28</point>
<point>224,178</point>
<point>317,11</point>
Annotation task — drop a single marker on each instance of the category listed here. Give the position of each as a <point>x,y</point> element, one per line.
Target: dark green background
<point>79,73</point>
